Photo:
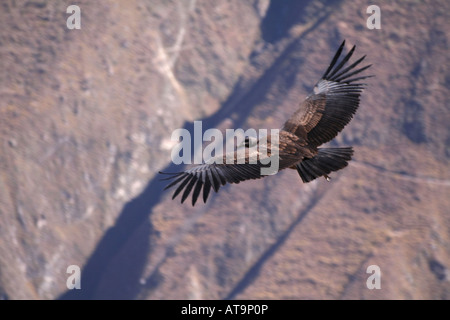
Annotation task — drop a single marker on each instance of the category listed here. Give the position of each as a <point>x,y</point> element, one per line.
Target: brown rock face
<point>86,118</point>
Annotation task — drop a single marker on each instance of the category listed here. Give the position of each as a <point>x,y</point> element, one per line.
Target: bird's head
<point>248,142</point>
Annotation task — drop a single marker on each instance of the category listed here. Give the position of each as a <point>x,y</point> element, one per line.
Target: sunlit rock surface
<point>86,118</point>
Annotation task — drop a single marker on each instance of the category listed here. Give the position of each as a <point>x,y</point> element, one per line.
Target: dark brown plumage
<point>320,117</point>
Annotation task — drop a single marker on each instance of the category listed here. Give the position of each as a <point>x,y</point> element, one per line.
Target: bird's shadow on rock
<point>115,268</point>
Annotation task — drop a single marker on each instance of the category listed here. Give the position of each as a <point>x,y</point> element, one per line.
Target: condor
<point>320,117</point>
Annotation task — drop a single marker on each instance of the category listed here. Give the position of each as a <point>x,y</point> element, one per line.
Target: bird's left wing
<point>247,166</point>
<point>207,176</point>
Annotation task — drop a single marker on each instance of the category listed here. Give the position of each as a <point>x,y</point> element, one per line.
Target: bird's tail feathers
<point>327,160</point>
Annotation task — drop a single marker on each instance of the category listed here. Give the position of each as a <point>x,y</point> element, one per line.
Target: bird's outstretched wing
<point>207,176</point>
<point>334,101</point>
<point>213,175</point>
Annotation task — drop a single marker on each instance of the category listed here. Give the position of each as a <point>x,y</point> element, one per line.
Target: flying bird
<point>319,118</point>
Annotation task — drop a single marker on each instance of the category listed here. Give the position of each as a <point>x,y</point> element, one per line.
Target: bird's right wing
<point>331,106</point>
